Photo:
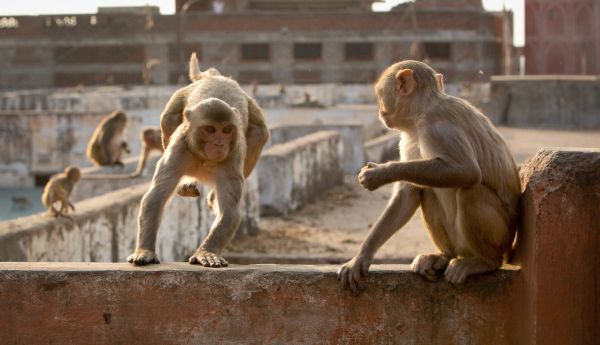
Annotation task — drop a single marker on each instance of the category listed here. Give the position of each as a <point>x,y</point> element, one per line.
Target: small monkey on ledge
<point>59,188</point>
<point>213,133</point>
<point>106,144</point>
<point>454,165</point>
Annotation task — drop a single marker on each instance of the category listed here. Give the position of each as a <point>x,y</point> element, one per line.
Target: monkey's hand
<point>143,257</point>
<point>207,259</point>
<point>372,176</point>
<point>354,273</point>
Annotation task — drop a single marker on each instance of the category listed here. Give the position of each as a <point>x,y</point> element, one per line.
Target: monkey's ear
<point>440,80</point>
<point>187,114</point>
<point>405,83</point>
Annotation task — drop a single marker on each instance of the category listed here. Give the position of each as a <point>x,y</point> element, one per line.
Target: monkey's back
<point>223,88</point>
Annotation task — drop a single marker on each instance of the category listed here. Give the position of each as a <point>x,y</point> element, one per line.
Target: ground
<point>334,226</point>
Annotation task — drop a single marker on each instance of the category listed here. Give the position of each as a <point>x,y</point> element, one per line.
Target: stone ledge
<point>177,303</point>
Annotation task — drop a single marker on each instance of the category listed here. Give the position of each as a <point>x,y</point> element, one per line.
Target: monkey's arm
<point>257,136</point>
<point>172,116</point>
<point>454,165</point>
<point>142,161</point>
<point>400,209</point>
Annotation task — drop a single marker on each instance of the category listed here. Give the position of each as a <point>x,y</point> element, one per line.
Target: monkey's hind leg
<point>486,230</point>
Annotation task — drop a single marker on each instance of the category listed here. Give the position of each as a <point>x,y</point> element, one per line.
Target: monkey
<point>212,132</point>
<point>453,164</point>
<point>150,141</point>
<point>59,188</point>
<point>106,144</point>
<point>440,81</point>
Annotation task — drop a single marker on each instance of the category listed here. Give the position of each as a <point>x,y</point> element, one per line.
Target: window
<point>81,55</point>
<point>358,51</point>
<point>307,51</point>
<point>437,51</point>
<point>307,77</point>
<point>255,52</point>
<point>187,52</point>
<point>261,77</point>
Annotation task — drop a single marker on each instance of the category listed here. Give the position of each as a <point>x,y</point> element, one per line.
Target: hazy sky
<point>35,7</point>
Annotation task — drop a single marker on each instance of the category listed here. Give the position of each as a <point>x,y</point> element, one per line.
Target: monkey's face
<point>73,174</point>
<point>217,140</point>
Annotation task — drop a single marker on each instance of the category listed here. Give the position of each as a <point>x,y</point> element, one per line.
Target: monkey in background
<point>454,165</point>
<point>151,140</point>
<point>106,144</point>
<point>59,188</point>
<point>212,132</point>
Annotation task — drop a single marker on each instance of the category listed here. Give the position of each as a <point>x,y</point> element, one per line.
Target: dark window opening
<point>438,51</point>
<point>358,51</point>
<point>255,52</point>
<point>187,52</point>
<point>81,55</point>
<point>307,51</point>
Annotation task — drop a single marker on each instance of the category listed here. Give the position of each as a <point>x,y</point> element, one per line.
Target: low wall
<point>299,170</point>
<point>259,304</point>
<point>351,133</point>
<point>545,101</point>
<point>383,148</point>
<point>104,228</point>
<point>95,181</point>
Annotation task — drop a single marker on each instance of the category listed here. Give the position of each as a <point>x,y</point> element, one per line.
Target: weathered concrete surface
<point>263,304</point>
<point>383,148</point>
<point>559,247</point>
<point>545,101</point>
<point>351,133</point>
<point>96,181</point>
<point>104,228</point>
<point>293,173</point>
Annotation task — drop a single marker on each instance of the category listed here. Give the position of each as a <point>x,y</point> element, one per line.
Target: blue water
<point>10,210</point>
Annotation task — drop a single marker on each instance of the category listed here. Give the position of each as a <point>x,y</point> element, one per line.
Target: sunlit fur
<point>454,165</point>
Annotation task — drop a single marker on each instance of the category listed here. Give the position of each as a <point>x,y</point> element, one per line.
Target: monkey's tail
<point>195,73</point>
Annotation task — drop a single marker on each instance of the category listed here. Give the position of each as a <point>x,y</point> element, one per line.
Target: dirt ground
<point>336,224</point>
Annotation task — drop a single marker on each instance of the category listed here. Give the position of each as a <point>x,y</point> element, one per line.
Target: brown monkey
<point>59,188</point>
<point>106,144</point>
<point>455,165</point>
<point>150,141</point>
<point>212,132</point>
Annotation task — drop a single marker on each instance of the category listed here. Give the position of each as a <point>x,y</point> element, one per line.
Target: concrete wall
<point>297,171</point>
<point>259,304</point>
<point>351,133</point>
<point>559,247</point>
<point>383,148</point>
<point>104,228</point>
<point>545,101</point>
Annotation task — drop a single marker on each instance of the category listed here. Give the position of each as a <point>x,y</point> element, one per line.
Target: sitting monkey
<point>150,141</point>
<point>59,188</point>
<point>454,165</point>
<point>106,144</point>
<point>212,132</point>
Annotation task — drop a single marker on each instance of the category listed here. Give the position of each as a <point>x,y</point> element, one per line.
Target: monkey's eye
<point>228,129</point>
<point>210,129</point>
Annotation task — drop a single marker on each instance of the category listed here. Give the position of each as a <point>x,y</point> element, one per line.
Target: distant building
<point>562,37</point>
<point>267,41</point>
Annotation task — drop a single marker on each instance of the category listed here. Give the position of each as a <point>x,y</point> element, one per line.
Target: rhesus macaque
<point>212,132</point>
<point>106,144</point>
<point>150,141</point>
<point>440,81</point>
<point>455,165</point>
<point>59,188</point>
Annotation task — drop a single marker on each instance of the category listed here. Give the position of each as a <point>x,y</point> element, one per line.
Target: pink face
<point>217,139</point>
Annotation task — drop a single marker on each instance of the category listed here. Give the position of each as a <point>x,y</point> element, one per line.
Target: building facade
<point>263,41</point>
<point>562,37</point>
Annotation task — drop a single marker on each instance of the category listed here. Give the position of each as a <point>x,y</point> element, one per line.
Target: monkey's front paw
<point>353,274</point>
<point>143,257</point>
<point>370,176</point>
<point>207,259</point>
<point>188,190</point>
<point>427,265</point>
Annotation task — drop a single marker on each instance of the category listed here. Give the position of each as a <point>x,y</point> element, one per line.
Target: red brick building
<point>562,36</point>
<point>268,41</point>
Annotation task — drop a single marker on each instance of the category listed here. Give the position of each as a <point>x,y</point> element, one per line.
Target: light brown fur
<point>210,101</point>
<point>59,188</point>
<point>455,165</point>
<point>106,144</point>
<point>151,140</point>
